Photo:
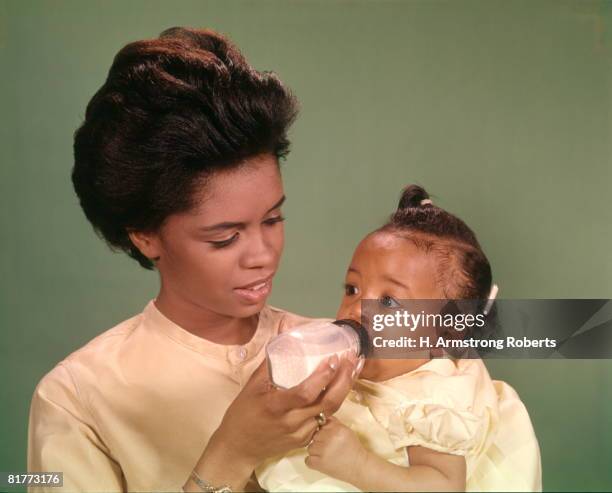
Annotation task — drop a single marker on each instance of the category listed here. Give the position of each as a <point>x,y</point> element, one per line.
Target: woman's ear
<point>147,243</point>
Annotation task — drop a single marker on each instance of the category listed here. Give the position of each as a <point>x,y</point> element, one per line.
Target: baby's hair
<point>464,271</point>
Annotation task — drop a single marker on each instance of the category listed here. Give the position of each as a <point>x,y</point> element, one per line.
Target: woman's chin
<point>244,310</point>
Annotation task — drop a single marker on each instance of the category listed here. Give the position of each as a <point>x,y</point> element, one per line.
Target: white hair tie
<point>492,296</point>
<point>426,201</point>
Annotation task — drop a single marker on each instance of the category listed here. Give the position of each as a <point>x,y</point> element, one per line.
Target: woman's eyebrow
<point>222,226</point>
<point>278,204</point>
<point>237,225</point>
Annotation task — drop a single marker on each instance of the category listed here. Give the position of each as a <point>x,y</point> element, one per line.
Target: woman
<point>176,164</point>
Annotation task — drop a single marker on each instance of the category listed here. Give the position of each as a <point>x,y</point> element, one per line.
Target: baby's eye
<point>350,290</point>
<point>389,302</point>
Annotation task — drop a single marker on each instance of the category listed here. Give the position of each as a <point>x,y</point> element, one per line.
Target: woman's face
<point>222,255</point>
<point>387,268</point>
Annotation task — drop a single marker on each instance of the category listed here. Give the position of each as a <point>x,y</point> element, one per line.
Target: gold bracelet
<point>207,487</point>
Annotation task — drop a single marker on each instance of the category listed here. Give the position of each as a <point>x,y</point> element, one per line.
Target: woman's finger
<point>315,449</point>
<point>310,389</point>
<point>259,379</point>
<point>309,432</point>
<point>336,391</point>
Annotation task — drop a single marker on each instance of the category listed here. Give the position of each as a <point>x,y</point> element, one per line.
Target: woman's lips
<point>255,293</point>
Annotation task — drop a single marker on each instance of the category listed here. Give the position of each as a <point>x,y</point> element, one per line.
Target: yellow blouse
<point>134,408</point>
<point>448,406</point>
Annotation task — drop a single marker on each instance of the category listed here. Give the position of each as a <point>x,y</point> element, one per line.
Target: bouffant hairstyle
<point>172,112</point>
<point>464,271</point>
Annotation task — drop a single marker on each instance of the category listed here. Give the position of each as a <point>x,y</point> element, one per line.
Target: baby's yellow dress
<point>449,406</point>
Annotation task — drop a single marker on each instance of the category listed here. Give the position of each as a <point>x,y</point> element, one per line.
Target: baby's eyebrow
<point>396,282</point>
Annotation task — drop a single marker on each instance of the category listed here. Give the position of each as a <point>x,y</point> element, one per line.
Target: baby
<point>428,422</point>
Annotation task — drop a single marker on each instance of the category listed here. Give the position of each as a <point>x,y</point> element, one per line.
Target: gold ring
<point>321,419</point>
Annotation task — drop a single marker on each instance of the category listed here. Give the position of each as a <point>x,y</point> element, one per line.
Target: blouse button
<point>242,353</point>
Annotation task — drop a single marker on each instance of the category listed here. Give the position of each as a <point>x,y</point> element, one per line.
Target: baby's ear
<point>451,332</point>
<point>450,308</point>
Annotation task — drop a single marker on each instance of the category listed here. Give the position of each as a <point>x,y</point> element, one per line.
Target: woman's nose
<point>259,253</point>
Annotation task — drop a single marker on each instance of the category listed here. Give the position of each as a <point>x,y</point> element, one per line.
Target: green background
<point>500,109</point>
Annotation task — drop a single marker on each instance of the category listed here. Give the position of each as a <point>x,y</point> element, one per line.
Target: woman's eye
<point>224,243</point>
<point>274,220</point>
<point>389,302</point>
<point>350,290</point>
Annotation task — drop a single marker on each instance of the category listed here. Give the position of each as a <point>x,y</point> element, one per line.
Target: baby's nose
<point>352,312</point>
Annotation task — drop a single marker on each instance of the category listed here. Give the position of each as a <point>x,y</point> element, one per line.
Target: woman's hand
<point>264,421</point>
<point>336,451</point>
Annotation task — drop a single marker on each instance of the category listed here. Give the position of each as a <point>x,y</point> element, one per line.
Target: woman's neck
<point>204,323</point>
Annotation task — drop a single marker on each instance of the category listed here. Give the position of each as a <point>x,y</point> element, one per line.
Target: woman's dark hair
<point>173,110</point>
<point>464,269</point>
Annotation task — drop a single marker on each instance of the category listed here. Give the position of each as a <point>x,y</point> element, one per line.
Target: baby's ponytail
<point>414,196</point>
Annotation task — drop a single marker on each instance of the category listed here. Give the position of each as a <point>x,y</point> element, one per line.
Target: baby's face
<point>387,268</point>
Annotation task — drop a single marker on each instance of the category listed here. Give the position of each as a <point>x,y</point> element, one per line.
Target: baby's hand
<point>335,450</point>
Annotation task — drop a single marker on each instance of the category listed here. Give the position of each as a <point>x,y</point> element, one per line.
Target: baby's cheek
<point>367,371</point>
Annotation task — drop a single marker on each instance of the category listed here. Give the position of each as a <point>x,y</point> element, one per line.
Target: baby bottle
<point>293,356</point>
